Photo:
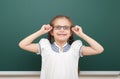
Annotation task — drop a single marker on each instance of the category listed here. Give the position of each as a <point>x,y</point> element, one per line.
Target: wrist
<point>82,35</point>
<point>39,33</point>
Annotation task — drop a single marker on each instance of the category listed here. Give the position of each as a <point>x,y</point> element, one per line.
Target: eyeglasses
<point>60,27</point>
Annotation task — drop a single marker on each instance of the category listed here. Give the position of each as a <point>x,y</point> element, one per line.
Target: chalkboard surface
<point>99,19</point>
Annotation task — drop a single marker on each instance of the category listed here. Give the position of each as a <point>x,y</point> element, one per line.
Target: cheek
<point>70,33</point>
<point>53,32</point>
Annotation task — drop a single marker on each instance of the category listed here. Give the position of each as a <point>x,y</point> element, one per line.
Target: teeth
<point>62,34</point>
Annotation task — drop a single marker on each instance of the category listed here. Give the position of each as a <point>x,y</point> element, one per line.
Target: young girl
<point>60,53</point>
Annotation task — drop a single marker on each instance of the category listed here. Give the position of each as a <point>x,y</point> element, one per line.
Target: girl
<point>60,53</point>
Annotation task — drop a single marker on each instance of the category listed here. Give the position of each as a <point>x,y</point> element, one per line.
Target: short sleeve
<point>77,47</point>
<point>39,49</point>
<point>43,43</point>
<point>80,51</point>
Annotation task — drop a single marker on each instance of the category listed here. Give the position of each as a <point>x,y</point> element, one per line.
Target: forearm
<point>93,44</point>
<point>27,43</point>
<point>28,40</point>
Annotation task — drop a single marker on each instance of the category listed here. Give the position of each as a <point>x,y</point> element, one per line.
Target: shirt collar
<point>57,48</point>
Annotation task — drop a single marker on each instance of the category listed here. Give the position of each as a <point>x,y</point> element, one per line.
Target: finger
<point>50,28</point>
<point>73,29</point>
<point>47,27</point>
<point>76,28</point>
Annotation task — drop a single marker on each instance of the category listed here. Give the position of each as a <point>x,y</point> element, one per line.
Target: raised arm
<point>93,48</point>
<point>27,43</point>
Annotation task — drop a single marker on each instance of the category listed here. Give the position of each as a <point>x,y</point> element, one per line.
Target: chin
<point>62,39</point>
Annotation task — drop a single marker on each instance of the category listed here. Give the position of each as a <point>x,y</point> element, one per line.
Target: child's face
<point>61,30</point>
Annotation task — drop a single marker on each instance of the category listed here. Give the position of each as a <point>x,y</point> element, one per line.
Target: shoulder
<point>77,43</point>
<point>76,47</point>
<point>44,42</point>
<point>44,45</point>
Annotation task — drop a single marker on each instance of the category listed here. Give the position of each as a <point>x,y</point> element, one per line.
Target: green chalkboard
<point>99,19</point>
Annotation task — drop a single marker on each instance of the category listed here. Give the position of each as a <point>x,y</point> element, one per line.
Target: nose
<point>62,28</point>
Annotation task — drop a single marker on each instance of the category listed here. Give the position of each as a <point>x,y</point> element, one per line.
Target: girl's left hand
<point>77,30</point>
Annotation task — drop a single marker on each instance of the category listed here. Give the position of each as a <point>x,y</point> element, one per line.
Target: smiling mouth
<point>62,34</point>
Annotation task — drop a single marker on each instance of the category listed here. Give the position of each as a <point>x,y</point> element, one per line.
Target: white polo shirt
<point>59,63</point>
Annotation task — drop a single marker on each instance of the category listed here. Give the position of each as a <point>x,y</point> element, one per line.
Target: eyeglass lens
<point>60,27</point>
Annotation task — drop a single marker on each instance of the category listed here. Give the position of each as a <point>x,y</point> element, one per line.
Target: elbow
<point>100,50</point>
<point>21,45</point>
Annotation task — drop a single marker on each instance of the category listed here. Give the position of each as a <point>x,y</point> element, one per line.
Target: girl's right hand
<point>46,28</point>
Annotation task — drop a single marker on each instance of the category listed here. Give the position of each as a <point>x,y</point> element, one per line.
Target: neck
<point>60,43</point>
